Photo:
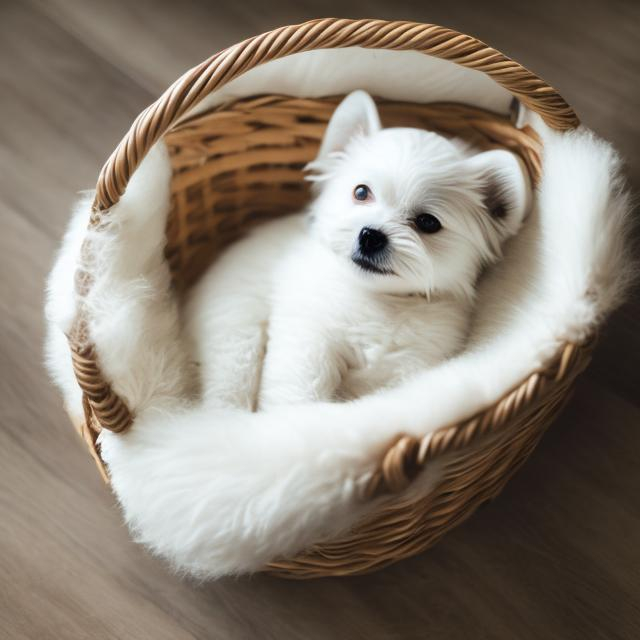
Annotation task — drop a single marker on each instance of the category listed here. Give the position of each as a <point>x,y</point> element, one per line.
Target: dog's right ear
<point>356,115</point>
<point>507,187</point>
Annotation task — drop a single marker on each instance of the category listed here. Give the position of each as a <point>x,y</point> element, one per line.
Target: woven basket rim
<point>568,361</point>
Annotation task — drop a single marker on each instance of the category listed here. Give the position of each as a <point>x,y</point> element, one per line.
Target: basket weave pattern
<point>240,164</point>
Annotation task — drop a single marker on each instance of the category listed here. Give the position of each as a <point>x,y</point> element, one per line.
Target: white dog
<point>375,283</point>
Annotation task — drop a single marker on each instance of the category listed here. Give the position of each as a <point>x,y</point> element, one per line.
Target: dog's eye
<point>362,192</point>
<point>428,223</point>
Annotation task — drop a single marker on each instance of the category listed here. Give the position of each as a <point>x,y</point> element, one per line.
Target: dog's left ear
<point>507,187</point>
<point>356,115</point>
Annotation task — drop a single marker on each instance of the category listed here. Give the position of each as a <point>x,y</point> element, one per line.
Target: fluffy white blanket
<point>224,492</point>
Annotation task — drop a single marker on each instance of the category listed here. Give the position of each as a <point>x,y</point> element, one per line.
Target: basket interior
<point>242,163</point>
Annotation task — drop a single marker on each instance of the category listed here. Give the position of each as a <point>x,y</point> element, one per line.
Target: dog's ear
<point>506,185</point>
<point>355,115</point>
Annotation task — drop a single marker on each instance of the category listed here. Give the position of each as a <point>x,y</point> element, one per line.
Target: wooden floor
<point>557,555</point>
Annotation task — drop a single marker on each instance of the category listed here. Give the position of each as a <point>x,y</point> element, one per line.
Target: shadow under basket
<point>240,163</point>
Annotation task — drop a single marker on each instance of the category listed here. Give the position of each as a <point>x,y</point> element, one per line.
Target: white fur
<point>129,306</point>
<point>330,328</point>
<point>220,491</point>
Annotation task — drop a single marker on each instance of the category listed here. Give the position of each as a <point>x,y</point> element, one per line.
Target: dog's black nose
<point>371,241</point>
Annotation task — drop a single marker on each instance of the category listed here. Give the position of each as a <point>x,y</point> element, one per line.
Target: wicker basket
<point>241,162</point>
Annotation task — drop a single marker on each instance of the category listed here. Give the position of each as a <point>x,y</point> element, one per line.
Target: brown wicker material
<point>242,163</point>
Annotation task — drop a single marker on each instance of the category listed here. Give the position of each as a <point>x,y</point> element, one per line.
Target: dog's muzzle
<point>371,252</point>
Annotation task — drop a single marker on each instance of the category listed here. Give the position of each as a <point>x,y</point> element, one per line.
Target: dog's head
<point>410,210</point>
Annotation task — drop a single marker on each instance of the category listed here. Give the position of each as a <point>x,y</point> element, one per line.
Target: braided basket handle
<point>326,33</point>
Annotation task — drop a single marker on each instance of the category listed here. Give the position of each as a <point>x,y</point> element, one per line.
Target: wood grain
<point>555,556</point>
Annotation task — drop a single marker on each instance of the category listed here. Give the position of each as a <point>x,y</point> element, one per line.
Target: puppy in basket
<point>373,284</point>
